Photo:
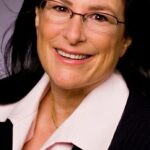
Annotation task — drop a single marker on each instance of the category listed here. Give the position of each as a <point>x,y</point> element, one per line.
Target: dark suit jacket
<point>133,132</point>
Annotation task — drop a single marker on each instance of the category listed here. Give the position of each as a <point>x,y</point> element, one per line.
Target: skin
<point>105,48</point>
<point>71,80</point>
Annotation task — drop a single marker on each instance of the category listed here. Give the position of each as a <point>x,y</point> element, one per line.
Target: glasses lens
<point>101,22</point>
<point>56,12</point>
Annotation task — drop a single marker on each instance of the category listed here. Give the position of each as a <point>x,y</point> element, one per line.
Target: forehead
<point>115,6</point>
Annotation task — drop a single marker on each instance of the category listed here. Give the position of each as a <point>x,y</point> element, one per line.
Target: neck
<point>64,102</point>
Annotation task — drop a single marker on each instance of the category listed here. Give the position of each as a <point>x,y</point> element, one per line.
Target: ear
<point>126,43</point>
<point>36,17</point>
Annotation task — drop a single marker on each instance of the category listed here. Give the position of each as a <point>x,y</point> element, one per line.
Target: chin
<point>67,84</point>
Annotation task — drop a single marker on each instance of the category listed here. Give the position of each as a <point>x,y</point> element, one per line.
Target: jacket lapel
<point>76,148</point>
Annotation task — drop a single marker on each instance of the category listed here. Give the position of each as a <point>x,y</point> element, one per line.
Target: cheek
<point>46,34</point>
<point>48,31</point>
<point>108,52</point>
<point>107,41</point>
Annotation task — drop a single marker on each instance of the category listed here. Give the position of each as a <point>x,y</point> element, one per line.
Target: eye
<point>99,17</point>
<point>60,8</point>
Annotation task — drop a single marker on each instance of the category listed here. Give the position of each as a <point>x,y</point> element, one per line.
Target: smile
<point>72,56</point>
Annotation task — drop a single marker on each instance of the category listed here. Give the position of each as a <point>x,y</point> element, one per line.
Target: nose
<point>74,31</point>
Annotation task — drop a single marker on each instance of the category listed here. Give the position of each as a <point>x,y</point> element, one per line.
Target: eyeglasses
<point>59,13</point>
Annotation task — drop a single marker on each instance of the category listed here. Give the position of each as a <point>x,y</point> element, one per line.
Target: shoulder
<point>133,131</point>
<point>137,110</point>
<point>138,104</point>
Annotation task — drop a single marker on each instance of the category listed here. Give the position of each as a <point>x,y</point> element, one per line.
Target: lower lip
<point>70,61</point>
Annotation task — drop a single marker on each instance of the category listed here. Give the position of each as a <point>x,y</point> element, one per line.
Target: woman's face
<point>73,54</point>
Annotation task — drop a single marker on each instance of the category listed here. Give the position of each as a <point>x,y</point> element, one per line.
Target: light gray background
<point>7,17</point>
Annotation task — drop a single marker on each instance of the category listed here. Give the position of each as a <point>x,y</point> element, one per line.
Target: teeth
<point>71,56</point>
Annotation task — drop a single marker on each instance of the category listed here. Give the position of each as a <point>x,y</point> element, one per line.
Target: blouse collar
<point>93,124</point>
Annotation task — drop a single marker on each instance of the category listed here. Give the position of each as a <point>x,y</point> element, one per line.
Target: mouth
<point>71,55</point>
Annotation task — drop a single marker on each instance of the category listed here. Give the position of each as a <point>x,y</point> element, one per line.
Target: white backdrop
<point>8,13</point>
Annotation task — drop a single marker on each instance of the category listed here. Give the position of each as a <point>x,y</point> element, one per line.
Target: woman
<point>87,49</point>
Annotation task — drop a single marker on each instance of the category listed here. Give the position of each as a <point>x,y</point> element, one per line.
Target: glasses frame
<point>84,16</point>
